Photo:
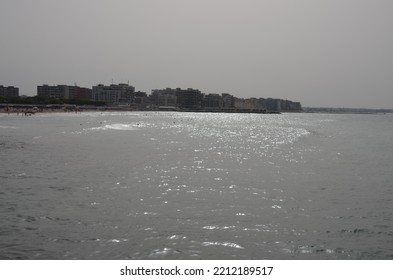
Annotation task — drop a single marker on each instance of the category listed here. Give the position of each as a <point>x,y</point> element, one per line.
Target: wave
<point>115,126</point>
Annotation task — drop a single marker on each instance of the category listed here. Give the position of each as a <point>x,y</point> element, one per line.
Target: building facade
<point>64,92</point>
<point>251,104</point>
<point>139,99</point>
<point>121,94</point>
<point>228,101</point>
<point>189,98</point>
<point>9,91</point>
<point>81,93</point>
<point>179,98</point>
<point>212,101</point>
<point>281,105</point>
<point>164,97</point>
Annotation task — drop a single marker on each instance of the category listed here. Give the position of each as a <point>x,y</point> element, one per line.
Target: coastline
<point>28,109</point>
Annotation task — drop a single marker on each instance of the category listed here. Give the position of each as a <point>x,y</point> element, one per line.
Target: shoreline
<point>28,109</point>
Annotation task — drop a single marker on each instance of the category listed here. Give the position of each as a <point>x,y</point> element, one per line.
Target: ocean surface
<point>169,185</point>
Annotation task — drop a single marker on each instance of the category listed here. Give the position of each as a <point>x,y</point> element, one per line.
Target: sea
<point>196,186</point>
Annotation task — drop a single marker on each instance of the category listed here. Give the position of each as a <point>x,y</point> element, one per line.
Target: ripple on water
<point>224,244</point>
<point>159,253</point>
<point>189,186</point>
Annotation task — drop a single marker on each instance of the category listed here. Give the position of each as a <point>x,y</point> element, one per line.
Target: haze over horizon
<point>322,53</point>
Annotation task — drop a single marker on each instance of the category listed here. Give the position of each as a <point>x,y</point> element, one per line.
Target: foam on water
<point>115,126</point>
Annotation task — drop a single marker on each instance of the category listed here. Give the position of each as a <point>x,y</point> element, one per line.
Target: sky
<point>322,53</point>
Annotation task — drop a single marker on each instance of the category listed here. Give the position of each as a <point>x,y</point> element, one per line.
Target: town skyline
<point>16,91</point>
<point>305,103</point>
<point>125,95</point>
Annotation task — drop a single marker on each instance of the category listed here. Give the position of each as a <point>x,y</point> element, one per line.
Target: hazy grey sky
<point>319,52</point>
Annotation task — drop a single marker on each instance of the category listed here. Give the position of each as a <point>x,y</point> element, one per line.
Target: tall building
<point>189,98</point>
<point>9,91</point>
<point>81,93</point>
<point>250,104</point>
<point>182,98</point>
<point>121,94</point>
<point>212,101</point>
<point>281,105</point>
<point>273,104</point>
<point>228,101</point>
<point>139,99</point>
<point>64,92</point>
<point>164,97</point>
<point>290,106</point>
<point>47,91</point>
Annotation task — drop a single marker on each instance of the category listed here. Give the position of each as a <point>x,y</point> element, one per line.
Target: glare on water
<point>152,185</point>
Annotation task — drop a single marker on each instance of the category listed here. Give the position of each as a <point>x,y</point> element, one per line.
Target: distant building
<point>81,93</point>
<point>139,99</point>
<point>164,97</point>
<point>269,105</point>
<point>64,92</point>
<point>121,94</point>
<point>290,106</point>
<point>273,104</point>
<point>250,104</point>
<point>282,105</point>
<point>228,101</point>
<point>212,101</point>
<point>47,91</point>
<point>9,91</point>
<point>189,98</point>
<point>181,98</point>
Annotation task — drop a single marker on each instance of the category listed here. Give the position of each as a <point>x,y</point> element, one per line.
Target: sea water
<point>170,185</point>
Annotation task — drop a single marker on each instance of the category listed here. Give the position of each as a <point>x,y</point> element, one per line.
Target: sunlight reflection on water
<point>190,186</point>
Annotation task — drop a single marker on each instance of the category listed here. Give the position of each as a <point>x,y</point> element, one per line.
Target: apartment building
<point>121,94</point>
<point>64,92</point>
<point>9,91</point>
